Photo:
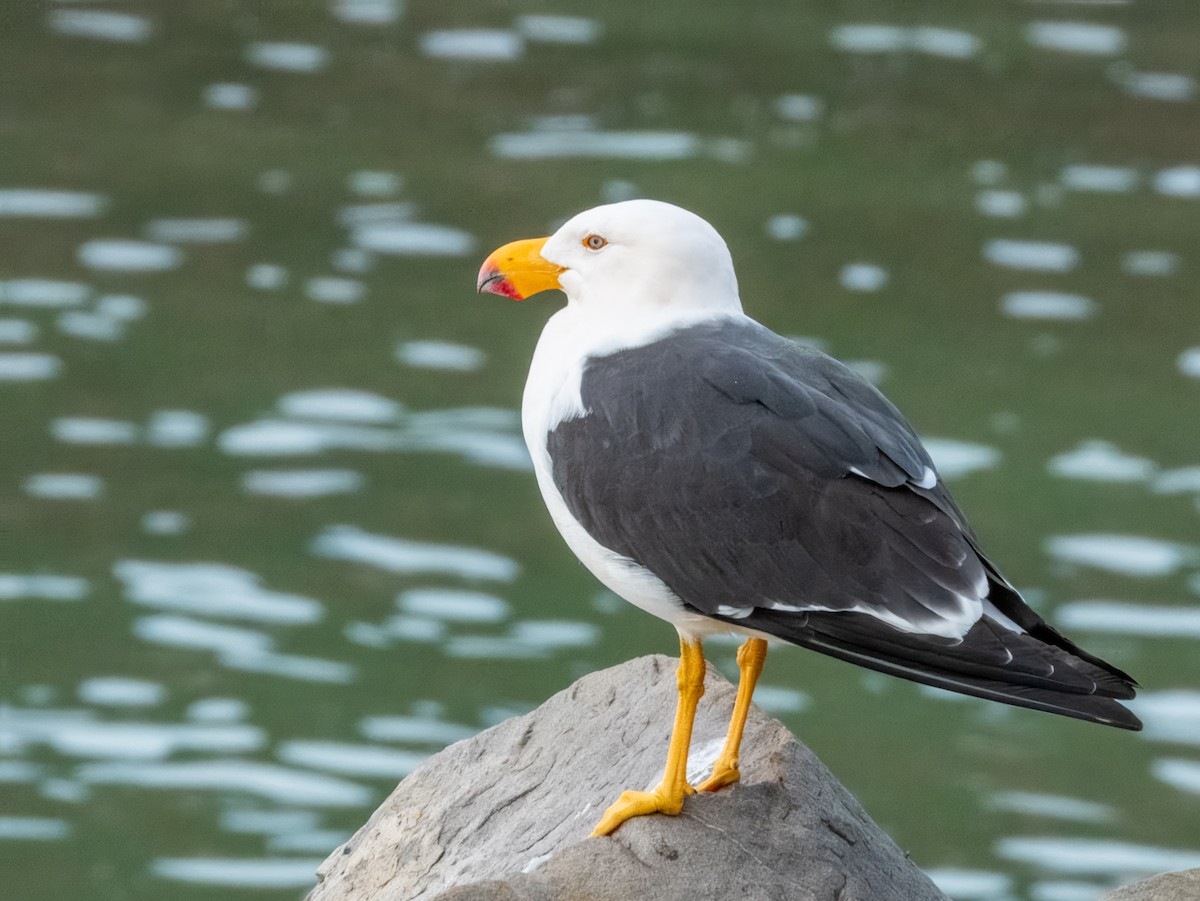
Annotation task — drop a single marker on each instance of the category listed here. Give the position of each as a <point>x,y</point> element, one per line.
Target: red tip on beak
<point>493,281</point>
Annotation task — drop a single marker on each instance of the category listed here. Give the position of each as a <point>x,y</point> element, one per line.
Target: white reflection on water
<point>350,759</point>
<point>314,841</point>
<point>217,710</point>
<point>340,404</point>
<point>1156,85</point>
<point>453,604</point>
<point>42,203</point>
<point>42,587</point>
<point>1095,856</point>
<point>245,650</point>
<point>334,289</point>
<point>293,666</point>
<point>28,367</point>
<point>100,24</point>
<point>778,699</point>
<point>955,458</point>
<point>302,483</point>
<point>63,485</point>
<point>1178,481</point>
<point>43,292</point>
<point>374,183</point>
<point>1181,181</point>
<point>646,145</point>
<point>84,430</point>
<point>414,628</point>
<point>864,277</point>
<point>786,227</point>
<point>440,355</point>
<point>1124,618</point>
<point>367,12</point>
<point>556,633</point>
<point>1066,890</point>
<point>1001,204</point>
<point>239,872</point>
<point>266,276</point>
<point>33,829</point>
<point>558,29</point>
<point>484,44</point>
<point>282,785</point>
<point>403,556</point>
<point>125,255</point>
<point>971,885</point>
<point>492,647</point>
<point>1183,775</point>
<point>1105,179</point>
<point>1102,461</point>
<point>1172,716</point>
<point>1090,38</point>
<point>212,589</point>
<point>873,38</point>
<point>1056,807</point>
<point>413,239</point>
<point>1049,305</point>
<point>184,632</point>
<point>1189,362</point>
<point>197,231</point>
<point>1131,555</point>
<point>77,733</point>
<point>230,96</point>
<point>165,522</point>
<point>413,730</point>
<point>267,822</point>
<point>276,437</point>
<point>1150,262</point>
<point>121,691</point>
<point>93,327</point>
<point>799,107</point>
<point>17,331</point>
<point>287,57</point>
<point>1036,256</point>
<point>176,428</point>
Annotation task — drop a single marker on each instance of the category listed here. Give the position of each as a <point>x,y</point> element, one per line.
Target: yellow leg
<point>668,796</point>
<point>750,657</point>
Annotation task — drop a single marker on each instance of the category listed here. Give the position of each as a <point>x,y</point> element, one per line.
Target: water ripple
<point>400,555</point>
<point>279,784</point>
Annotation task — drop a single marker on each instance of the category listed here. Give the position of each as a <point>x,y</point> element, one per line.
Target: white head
<point>635,255</point>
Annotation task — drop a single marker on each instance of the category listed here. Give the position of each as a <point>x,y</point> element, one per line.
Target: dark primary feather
<point>720,458</point>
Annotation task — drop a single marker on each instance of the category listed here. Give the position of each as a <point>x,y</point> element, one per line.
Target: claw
<point>635,804</point>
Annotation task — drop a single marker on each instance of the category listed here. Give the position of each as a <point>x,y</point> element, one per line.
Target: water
<point>268,532</point>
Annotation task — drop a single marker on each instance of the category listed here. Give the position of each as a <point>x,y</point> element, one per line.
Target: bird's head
<point>636,253</point>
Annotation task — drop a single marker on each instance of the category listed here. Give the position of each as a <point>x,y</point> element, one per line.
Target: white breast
<point>552,395</point>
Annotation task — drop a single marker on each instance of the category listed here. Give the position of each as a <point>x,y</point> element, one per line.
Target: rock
<point>1183,885</point>
<point>506,814</point>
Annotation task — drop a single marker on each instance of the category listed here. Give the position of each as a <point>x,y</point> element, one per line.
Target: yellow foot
<point>636,804</point>
<point>723,774</point>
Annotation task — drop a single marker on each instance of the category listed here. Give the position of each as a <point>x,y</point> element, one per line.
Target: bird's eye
<point>594,242</point>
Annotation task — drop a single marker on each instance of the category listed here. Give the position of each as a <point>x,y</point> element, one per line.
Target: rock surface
<point>506,815</point>
<point>1181,886</point>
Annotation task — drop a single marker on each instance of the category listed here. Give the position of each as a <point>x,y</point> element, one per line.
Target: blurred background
<point>268,532</point>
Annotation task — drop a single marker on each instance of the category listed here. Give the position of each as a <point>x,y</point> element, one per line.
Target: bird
<point>726,479</point>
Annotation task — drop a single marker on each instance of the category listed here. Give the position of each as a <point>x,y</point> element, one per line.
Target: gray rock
<point>506,814</point>
<point>1183,885</point>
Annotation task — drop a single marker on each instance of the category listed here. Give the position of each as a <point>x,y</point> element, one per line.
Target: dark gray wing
<point>770,486</point>
<point>745,471</point>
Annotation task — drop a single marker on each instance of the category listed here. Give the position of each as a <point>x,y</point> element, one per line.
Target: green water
<point>202,629</point>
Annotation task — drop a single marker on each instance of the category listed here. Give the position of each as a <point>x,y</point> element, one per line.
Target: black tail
<point>1039,668</point>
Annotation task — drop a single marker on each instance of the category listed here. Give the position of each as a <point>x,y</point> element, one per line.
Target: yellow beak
<point>518,270</point>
